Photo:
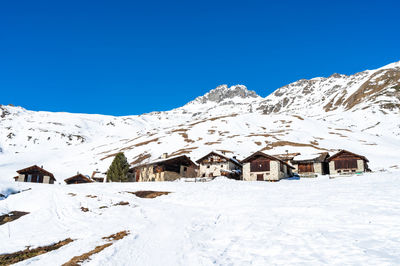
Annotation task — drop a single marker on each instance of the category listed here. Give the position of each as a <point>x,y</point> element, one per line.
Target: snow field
<point>349,220</point>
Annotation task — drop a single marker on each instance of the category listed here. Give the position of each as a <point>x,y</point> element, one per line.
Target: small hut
<point>77,179</point>
<point>35,174</point>
<point>263,167</point>
<point>215,164</point>
<point>308,165</point>
<point>164,169</point>
<point>345,162</point>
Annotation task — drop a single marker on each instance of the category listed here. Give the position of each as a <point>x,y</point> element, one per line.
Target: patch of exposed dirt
<point>140,158</point>
<point>223,133</point>
<point>270,146</point>
<point>262,135</point>
<point>343,129</point>
<point>8,259</point>
<point>116,236</point>
<point>148,194</point>
<point>186,137</point>
<point>183,151</point>
<point>91,196</point>
<point>258,143</point>
<point>78,260</point>
<point>335,133</point>
<point>298,117</point>
<point>179,130</point>
<point>84,209</point>
<point>370,127</point>
<point>121,203</point>
<point>11,216</point>
<point>72,194</point>
<point>212,142</point>
<point>145,142</point>
<point>108,156</point>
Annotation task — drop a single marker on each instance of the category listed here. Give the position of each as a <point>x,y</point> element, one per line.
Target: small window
<point>222,165</point>
<point>184,169</point>
<point>208,166</point>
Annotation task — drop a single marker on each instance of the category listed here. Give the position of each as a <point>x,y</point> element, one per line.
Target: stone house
<point>35,174</point>
<point>263,167</point>
<point>216,164</point>
<point>345,162</point>
<point>311,165</point>
<point>164,169</point>
<point>77,179</point>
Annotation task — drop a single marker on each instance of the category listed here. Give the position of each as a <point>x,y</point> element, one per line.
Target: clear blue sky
<point>132,57</point>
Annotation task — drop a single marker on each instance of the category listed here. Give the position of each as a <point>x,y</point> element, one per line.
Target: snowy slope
<point>344,221</point>
<point>359,112</point>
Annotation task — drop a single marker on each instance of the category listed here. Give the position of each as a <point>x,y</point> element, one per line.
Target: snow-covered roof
<point>314,157</point>
<point>234,160</point>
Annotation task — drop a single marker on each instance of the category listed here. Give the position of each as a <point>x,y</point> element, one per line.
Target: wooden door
<point>260,177</point>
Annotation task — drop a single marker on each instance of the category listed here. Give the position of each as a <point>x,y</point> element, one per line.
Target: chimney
<point>164,155</point>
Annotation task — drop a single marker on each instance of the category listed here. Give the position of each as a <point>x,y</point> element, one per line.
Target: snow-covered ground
<point>349,220</point>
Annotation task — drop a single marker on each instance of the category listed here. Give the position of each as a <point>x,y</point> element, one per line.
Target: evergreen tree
<point>118,170</point>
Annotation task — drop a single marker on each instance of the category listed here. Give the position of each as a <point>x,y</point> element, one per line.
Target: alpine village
<point>259,166</point>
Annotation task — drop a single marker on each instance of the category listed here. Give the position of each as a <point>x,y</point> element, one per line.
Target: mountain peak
<point>223,92</point>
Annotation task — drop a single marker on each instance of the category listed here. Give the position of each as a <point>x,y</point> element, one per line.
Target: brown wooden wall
<point>345,163</point>
<point>260,165</point>
<point>306,167</point>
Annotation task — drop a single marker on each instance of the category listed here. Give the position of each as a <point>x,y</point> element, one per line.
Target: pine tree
<point>118,171</point>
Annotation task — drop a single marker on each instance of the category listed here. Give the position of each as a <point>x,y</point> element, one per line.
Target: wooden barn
<point>263,167</point>
<point>164,169</point>
<point>345,162</point>
<point>308,165</point>
<point>216,164</point>
<point>35,174</point>
<point>77,179</point>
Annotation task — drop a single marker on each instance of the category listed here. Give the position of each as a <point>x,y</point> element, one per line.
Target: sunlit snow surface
<point>348,220</point>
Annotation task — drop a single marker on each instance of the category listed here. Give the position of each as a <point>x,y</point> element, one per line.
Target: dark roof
<point>183,159</point>
<point>78,176</point>
<point>319,158</point>
<point>259,153</point>
<point>345,151</point>
<point>35,168</point>
<point>235,161</point>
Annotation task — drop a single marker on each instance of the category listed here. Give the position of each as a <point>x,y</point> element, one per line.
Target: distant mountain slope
<point>360,112</point>
<point>376,89</point>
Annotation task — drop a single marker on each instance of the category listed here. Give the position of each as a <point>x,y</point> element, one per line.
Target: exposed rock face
<point>3,111</point>
<point>377,89</point>
<point>224,92</point>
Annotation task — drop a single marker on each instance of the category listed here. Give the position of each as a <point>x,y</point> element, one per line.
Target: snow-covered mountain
<point>360,112</point>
